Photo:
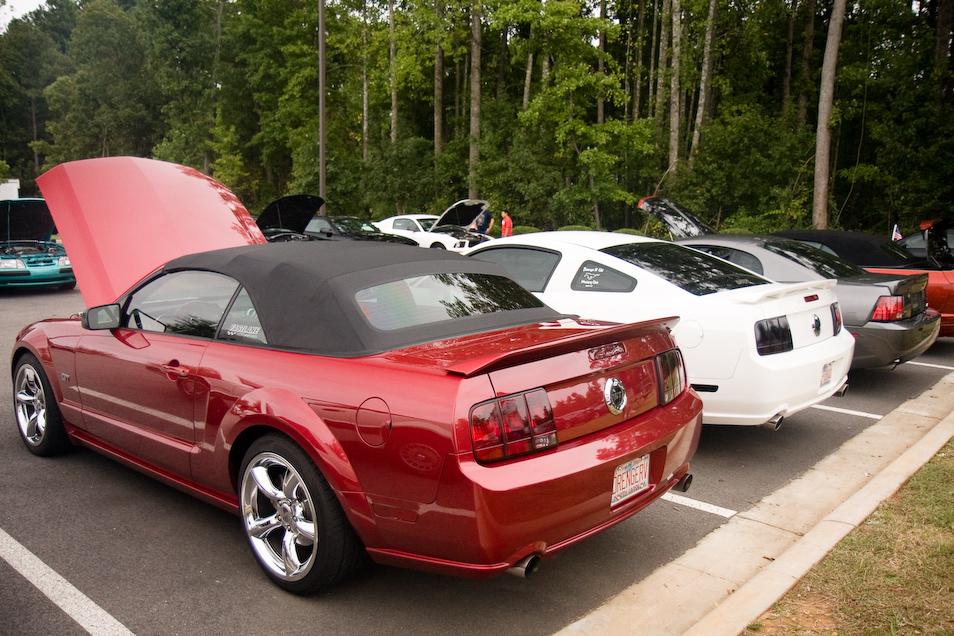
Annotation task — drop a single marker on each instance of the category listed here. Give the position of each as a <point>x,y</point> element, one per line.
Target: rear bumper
<point>779,384</point>
<point>880,344</point>
<point>487,518</point>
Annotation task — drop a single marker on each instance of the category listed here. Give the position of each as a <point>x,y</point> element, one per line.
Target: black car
<point>295,218</point>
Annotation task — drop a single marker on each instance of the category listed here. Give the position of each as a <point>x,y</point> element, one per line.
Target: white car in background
<point>451,230</point>
<point>417,227</point>
<point>756,351</point>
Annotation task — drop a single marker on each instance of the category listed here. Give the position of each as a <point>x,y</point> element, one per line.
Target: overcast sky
<point>14,9</point>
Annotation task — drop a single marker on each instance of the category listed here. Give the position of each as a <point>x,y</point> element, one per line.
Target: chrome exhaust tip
<point>775,422</point>
<point>683,484</point>
<point>525,567</point>
<point>842,390</point>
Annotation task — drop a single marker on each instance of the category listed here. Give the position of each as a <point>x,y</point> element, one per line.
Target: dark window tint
<point>593,276</point>
<point>241,323</point>
<point>694,271</point>
<point>819,261</point>
<point>744,259</point>
<point>190,303</point>
<point>421,300</point>
<point>530,267</point>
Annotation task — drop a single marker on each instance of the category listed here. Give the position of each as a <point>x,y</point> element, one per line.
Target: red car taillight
<point>836,317</point>
<point>888,308</point>
<point>671,373</point>
<point>512,425</point>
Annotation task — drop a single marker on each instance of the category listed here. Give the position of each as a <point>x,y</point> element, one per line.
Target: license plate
<point>826,374</point>
<point>630,479</point>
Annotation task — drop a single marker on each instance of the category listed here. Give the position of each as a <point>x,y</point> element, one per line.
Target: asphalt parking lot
<point>139,557</point>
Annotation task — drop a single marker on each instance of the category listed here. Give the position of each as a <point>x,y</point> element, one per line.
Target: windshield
<point>411,302</point>
<point>350,225</point>
<point>691,270</point>
<point>820,262</point>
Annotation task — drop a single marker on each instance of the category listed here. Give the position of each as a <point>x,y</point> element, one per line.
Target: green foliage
<point>232,89</point>
<point>574,228</point>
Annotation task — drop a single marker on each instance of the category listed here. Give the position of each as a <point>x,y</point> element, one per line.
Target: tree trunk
<point>652,59</point>
<point>472,191</point>
<point>663,60</point>
<point>675,95</point>
<point>942,52</point>
<point>703,81</point>
<point>502,62</point>
<point>601,65</point>
<point>364,94</point>
<point>439,85</point>
<point>806,63</point>
<point>526,80</point>
<point>826,99</point>
<point>393,54</point>
<point>640,43</point>
<point>322,107</point>
<point>789,51</point>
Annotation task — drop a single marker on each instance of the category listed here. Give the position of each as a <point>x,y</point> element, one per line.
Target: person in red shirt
<point>506,226</point>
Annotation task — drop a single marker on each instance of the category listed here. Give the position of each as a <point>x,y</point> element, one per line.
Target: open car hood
<point>462,213</point>
<point>290,213</point>
<point>680,222</point>
<point>120,218</point>
<point>25,220</point>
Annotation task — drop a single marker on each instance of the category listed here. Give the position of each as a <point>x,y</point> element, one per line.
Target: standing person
<point>484,221</point>
<point>506,224</point>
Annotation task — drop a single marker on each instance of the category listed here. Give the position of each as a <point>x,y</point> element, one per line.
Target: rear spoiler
<point>896,284</point>
<point>600,334</point>
<point>790,289</point>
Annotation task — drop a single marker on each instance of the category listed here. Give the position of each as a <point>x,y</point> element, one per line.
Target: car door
<point>139,383</point>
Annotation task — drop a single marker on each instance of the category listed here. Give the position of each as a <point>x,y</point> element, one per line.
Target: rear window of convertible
<point>691,270</point>
<point>412,302</point>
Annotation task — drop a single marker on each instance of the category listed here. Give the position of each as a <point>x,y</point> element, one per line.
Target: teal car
<point>28,255</point>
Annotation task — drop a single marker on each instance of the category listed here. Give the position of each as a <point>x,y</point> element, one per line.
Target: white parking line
<point>933,366</point>
<point>699,505</point>
<point>870,416</point>
<point>77,605</point>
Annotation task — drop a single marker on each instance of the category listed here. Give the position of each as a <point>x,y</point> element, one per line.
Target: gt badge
<point>816,324</point>
<point>615,395</point>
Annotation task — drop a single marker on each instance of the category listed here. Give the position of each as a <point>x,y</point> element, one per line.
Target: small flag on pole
<point>896,234</point>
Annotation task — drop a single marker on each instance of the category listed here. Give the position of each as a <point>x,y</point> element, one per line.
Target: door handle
<point>174,370</point>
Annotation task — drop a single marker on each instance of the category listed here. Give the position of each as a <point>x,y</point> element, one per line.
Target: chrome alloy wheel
<point>30,399</point>
<point>279,516</point>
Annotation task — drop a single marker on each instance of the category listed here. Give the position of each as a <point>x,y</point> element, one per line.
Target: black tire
<point>37,413</point>
<point>68,286</point>
<point>438,246</point>
<point>285,503</point>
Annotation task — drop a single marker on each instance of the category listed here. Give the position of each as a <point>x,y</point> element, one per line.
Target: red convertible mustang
<point>343,398</point>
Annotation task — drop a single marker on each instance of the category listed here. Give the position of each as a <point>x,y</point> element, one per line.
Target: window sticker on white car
<point>593,276</point>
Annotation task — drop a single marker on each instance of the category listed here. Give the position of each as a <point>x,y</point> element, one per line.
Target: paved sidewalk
<point>738,571</point>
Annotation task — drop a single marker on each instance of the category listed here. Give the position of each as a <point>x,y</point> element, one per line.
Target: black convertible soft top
<point>304,293</point>
<point>867,250</point>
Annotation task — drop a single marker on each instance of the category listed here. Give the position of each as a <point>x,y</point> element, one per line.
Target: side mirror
<point>102,317</point>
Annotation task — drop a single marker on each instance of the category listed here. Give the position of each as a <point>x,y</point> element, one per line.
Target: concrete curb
<point>738,571</point>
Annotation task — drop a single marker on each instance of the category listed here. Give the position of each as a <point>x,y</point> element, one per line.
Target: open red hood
<point>120,218</point>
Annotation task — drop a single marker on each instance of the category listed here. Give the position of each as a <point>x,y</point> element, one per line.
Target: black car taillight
<point>773,335</point>
<point>512,425</point>
<point>836,317</point>
<point>671,374</point>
